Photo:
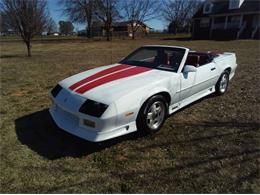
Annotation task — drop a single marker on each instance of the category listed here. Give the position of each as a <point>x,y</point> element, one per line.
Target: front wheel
<point>152,115</point>
<point>222,84</point>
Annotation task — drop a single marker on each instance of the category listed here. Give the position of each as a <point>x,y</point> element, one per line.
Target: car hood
<point>109,83</point>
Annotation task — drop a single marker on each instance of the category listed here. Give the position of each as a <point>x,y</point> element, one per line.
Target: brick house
<point>227,19</point>
<point>121,29</point>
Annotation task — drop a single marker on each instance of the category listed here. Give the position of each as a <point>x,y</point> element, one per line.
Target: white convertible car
<point>139,92</point>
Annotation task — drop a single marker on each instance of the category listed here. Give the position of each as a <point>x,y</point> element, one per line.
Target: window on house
<point>204,22</point>
<point>219,22</point>
<point>234,21</point>
<point>235,4</point>
<point>207,8</point>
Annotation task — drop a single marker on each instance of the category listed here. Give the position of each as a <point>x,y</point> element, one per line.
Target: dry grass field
<point>209,147</point>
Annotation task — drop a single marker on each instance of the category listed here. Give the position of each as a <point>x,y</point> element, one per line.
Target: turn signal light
<point>89,123</point>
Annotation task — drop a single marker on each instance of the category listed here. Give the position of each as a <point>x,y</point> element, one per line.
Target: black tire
<point>143,123</point>
<point>220,88</point>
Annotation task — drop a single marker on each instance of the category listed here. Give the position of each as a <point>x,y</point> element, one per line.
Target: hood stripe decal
<point>98,75</point>
<point>112,77</point>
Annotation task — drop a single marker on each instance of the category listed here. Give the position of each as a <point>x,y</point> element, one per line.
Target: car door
<point>187,81</point>
<point>188,78</point>
<point>206,78</point>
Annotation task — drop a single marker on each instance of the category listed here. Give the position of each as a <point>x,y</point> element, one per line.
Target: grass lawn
<point>211,146</point>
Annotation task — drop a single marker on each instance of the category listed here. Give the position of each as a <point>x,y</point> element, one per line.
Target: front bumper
<point>72,123</point>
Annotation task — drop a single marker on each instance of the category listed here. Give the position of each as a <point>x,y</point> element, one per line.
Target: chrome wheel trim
<point>223,83</point>
<point>155,115</point>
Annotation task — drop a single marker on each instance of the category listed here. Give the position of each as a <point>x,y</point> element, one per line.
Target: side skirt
<point>175,107</point>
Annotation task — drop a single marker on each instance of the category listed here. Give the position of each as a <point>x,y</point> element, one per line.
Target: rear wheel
<point>152,115</point>
<point>222,84</point>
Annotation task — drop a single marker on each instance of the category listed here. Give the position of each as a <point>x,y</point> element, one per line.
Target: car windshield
<point>162,58</point>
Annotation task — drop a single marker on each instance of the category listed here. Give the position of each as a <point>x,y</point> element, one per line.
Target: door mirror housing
<point>189,68</point>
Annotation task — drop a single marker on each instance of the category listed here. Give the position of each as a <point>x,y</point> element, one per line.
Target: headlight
<point>56,90</point>
<point>93,108</point>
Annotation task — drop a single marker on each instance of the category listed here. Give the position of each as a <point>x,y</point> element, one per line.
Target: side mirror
<point>189,68</point>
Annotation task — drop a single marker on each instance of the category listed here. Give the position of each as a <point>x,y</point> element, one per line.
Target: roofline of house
<point>118,24</point>
<point>129,22</point>
<point>226,14</point>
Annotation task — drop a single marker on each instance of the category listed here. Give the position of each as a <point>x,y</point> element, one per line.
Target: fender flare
<point>152,93</point>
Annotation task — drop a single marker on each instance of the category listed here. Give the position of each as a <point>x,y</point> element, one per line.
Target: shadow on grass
<point>239,128</point>
<point>242,128</point>
<point>206,172</point>
<point>40,133</point>
<point>12,56</point>
<point>191,39</point>
<point>177,39</point>
<point>209,161</point>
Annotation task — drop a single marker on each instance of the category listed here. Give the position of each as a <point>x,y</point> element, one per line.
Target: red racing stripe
<point>112,77</point>
<point>99,74</point>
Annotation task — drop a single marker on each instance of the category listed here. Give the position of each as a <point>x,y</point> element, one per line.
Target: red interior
<point>194,58</point>
<point>199,58</point>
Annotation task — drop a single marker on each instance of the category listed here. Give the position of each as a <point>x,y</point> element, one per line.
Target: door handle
<point>213,69</point>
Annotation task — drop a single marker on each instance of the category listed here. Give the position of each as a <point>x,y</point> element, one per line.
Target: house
<point>44,33</point>
<point>9,32</point>
<point>185,28</point>
<point>227,19</point>
<point>98,29</point>
<point>121,29</point>
<point>125,28</point>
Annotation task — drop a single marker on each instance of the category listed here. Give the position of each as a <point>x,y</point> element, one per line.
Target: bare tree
<point>137,12</point>
<point>179,12</point>
<point>66,27</point>
<point>51,26</point>
<point>4,22</point>
<point>107,12</point>
<point>80,11</point>
<point>29,17</point>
